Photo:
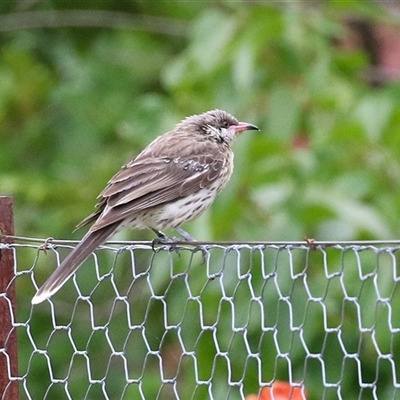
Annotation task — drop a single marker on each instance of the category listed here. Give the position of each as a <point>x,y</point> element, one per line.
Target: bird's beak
<point>244,126</point>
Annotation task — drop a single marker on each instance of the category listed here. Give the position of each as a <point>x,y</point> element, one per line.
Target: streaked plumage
<point>172,181</point>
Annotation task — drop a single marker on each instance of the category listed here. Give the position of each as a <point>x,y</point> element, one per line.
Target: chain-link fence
<point>211,321</point>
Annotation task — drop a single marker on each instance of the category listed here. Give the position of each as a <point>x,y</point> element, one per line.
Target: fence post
<point>8,335</point>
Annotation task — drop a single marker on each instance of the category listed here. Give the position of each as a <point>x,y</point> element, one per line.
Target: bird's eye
<point>225,124</point>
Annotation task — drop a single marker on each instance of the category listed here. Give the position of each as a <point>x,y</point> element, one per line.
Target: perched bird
<point>172,181</point>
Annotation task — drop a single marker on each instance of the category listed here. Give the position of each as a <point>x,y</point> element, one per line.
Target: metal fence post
<point>8,335</point>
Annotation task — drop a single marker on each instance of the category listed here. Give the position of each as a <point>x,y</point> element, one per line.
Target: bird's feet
<point>173,241</point>
<point>166,240</point>
<point>163,239</point>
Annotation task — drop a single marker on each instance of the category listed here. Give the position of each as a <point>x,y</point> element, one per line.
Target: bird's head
<point>216,125</point>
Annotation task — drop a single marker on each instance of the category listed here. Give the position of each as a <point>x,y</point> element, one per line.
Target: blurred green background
<point>85,85</point>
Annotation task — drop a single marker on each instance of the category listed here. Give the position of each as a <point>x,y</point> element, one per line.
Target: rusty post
<point>8,335</point>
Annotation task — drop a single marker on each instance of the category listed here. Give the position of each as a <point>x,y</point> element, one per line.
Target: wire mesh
<point>210,322</point>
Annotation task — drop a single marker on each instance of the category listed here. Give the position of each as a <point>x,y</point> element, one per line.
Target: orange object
<point>279,391</point>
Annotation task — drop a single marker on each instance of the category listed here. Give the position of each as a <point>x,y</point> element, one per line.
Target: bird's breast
<point>176,213</point>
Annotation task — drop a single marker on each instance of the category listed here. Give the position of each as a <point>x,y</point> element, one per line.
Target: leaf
<point>355,213</point>
<point>374,113</point>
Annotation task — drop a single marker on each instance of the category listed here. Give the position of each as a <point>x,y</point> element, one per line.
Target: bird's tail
<point>73,261</point>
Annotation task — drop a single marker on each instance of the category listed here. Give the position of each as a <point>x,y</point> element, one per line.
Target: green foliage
<point>77,103</point>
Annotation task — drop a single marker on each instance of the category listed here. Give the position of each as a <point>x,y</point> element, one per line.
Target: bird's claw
<point>171,242</point>
<point>166,240</point>
<point>203,254</point>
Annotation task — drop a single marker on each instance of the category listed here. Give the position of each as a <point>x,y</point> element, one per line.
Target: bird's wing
<point>144,184</point>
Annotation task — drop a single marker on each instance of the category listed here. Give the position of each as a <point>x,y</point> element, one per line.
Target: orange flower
<point>279,391</point>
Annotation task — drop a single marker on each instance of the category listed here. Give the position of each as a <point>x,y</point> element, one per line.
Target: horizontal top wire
<point>305,242</point>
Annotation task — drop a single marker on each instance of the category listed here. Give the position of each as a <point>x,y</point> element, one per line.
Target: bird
<point>172,181</point>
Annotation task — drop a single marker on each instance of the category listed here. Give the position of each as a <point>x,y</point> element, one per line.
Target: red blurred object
<point>279,391</point>
<point>301,141</point>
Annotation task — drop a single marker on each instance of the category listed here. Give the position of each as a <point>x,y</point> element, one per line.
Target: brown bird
<point>172,181</point>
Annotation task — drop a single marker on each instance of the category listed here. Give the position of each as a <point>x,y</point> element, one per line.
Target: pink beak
<point>244,126</point>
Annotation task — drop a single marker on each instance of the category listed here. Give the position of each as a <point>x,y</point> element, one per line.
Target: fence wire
<point>210,322</point>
